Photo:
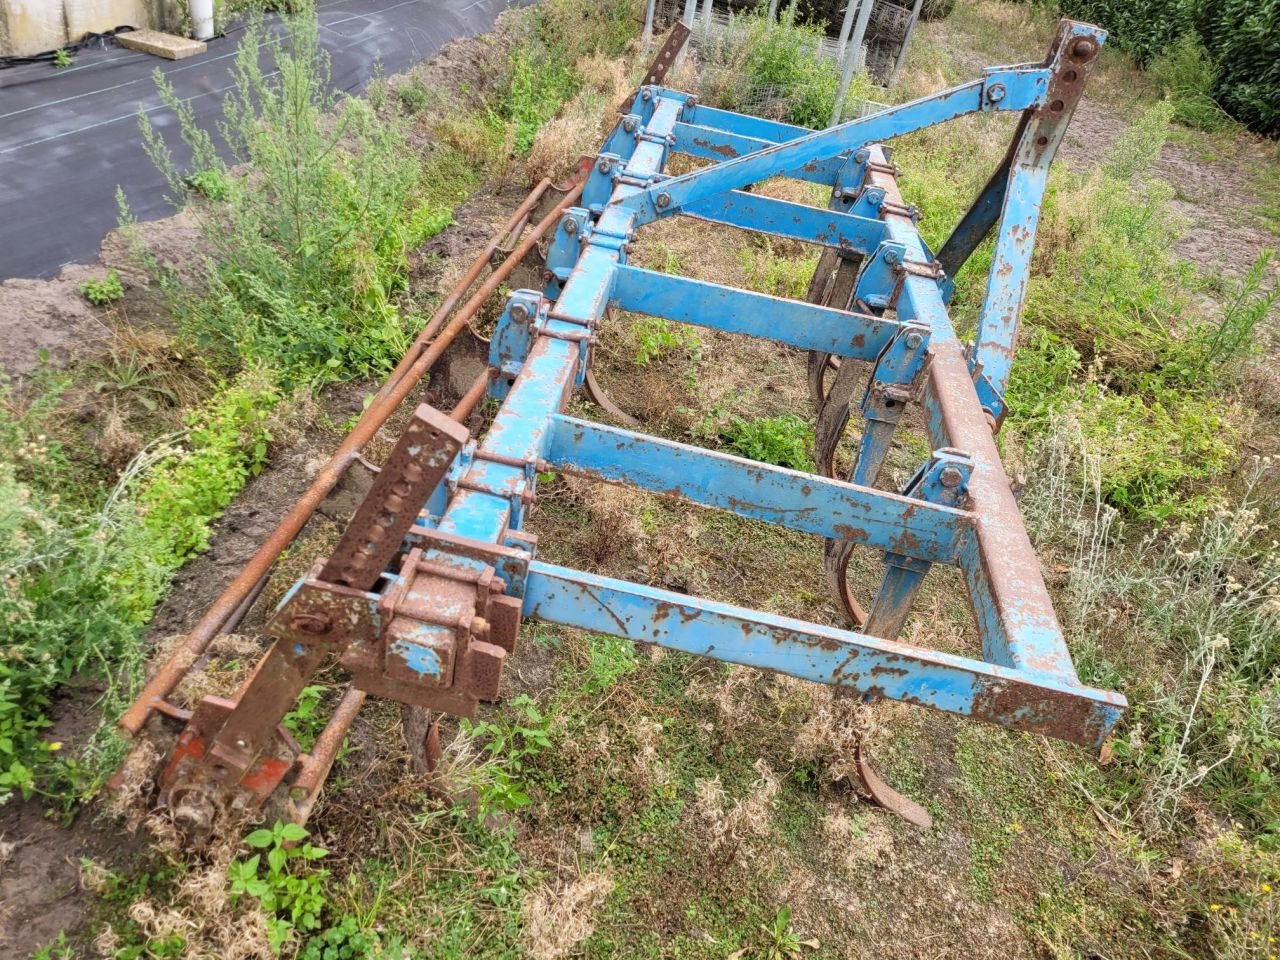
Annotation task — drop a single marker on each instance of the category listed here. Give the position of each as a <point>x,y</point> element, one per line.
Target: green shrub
<point>102,291</point>
<point>784,440</point>
<point>1112,335</point>
<point>79,581</point>
<point>1192,618</point>
<point>309,252</point>
<point>774,70</point>
<point>535,94</point>
<point>227,444</point>
<point>657,337</point>
<point>1186,74</point>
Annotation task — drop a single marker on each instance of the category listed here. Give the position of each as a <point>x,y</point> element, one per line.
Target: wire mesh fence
<point>721,48</point>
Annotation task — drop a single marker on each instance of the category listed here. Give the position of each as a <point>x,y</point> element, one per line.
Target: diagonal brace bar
<point>1023,87</point>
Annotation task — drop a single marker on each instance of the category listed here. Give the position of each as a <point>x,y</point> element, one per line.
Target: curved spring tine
<point>833,283</point>
<point>602,400</point>
<point>833,415</point>
<point>819,292</point>
<point>887,797</point>
<point>599,396</point>
<point>819,364</point>
<point>835,561</point>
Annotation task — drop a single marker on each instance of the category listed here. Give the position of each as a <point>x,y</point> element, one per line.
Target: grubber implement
<point>423,597</point>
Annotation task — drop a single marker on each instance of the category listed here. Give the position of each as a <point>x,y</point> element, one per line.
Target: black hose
<point>51,56</point>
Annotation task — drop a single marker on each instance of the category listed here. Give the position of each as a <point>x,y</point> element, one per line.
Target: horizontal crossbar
<point>873,667</point>
<point>793,322</point>
<point>845,232</point>
<point>707,143</point>
<point>788,498</point>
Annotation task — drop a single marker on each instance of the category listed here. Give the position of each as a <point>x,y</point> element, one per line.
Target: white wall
<point>32,26</point>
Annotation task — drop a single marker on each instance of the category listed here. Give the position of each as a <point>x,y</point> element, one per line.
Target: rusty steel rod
<point>462,286</point>
<point>314,766</point>
<point>393,392</point>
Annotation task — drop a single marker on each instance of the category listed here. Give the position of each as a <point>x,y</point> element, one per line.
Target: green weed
<point>283,880</point>
<point>535,94</point>
<point>211,184</point>
<point>784,440</point>
<point>62,58</point>
<point>509,742</point>
<point>656,338</point>
<point>102,291</point>
<point>780,276</point>
<point>1186,74</point>
<point>226,443</point>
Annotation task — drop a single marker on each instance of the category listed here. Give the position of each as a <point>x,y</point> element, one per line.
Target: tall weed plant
<point>308,250</point>
<point>1187,622</point>
<point>79,580</point>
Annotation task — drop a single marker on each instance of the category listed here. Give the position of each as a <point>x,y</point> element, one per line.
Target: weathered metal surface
<point>666,56</point>
<point>416,465</point>
<point>424,596</point>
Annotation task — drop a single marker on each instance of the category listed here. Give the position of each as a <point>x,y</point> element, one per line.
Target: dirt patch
<point>48,316</point>
<point>40,889</point>
<point>1215,198</point>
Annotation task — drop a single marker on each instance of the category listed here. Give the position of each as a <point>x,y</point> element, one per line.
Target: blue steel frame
<point>957,510</point>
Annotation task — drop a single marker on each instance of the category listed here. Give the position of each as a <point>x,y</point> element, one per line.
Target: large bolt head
<point>891,256</point>
<point>663,201</point>
<point>315,624</point>
<point>995,93</point>
<point>1085,48</point>
<point>914,340</point>
<point>519,312</point>
<point>570,225</point>
<point>629,124</point>
<point>604,166</point>
<point>951,478</point>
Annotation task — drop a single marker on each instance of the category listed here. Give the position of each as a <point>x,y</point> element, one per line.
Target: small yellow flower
<point>56,745</point>
<point>1265,888</point>
<point>1215,907</point>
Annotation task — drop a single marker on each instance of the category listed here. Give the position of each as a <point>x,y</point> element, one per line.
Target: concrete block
<point>161,44</point>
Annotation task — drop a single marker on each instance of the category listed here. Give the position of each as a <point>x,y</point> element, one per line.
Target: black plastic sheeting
<point>69,137</point>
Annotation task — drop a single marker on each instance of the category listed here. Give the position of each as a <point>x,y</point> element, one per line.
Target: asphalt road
<point>68,137</point>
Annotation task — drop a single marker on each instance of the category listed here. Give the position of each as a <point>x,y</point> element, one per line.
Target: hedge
<point>1242,37</point>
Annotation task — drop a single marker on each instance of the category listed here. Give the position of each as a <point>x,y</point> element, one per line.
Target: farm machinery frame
<point>423,597</point>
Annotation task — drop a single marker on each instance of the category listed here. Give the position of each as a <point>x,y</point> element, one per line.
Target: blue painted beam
<point>846,232</point>
<point>707,143</point>
<point>788,498</point>
<point>792,322</point>
<point>1023,87</point>
<point>743,124</point>
<point>872,667</point>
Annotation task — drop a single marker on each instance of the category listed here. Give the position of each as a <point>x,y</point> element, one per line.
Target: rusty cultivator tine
<point>422,599</point>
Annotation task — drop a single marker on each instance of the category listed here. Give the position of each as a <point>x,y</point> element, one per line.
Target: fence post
<point>860,32</point>
<point>845,26</point>
<point>906,42</point>
<point>648,23</point>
